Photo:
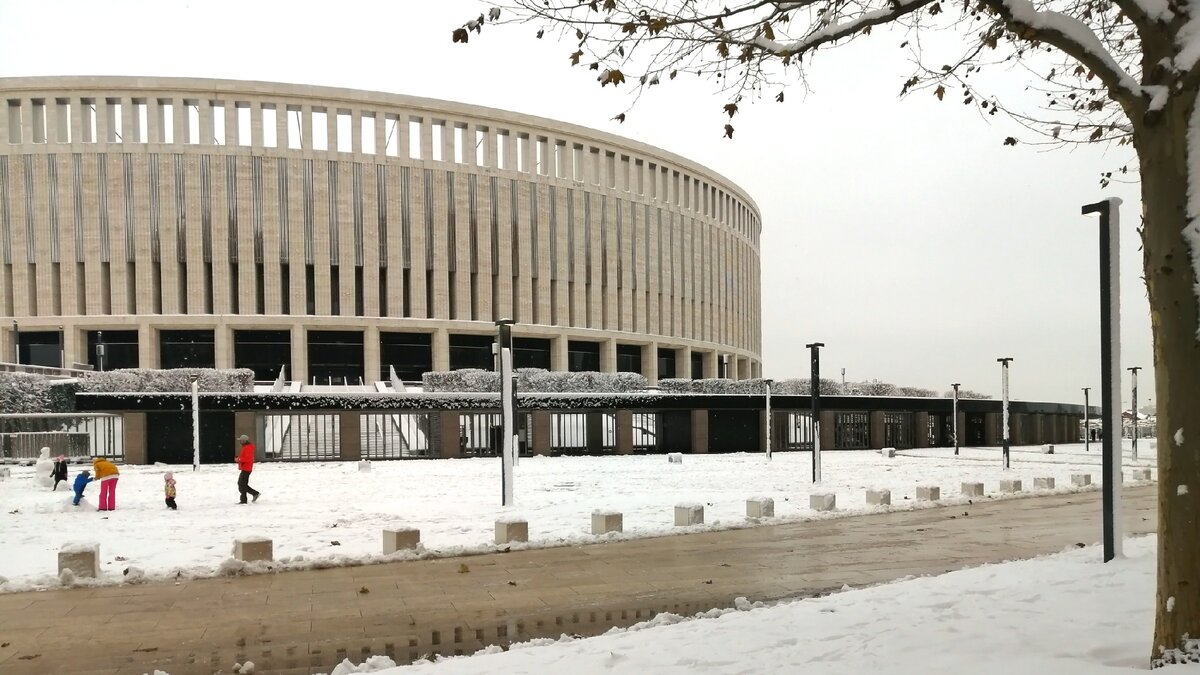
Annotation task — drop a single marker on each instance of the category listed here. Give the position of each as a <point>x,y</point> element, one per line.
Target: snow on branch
<point>1075,38</point>
<point>834,31</point>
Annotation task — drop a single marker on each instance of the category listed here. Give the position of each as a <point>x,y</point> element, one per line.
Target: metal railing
<point>73,435</point>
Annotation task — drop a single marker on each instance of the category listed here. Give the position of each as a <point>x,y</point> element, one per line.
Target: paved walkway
<point>302,622</point>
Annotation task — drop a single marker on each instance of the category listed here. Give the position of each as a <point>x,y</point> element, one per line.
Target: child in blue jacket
<point>81,482</point>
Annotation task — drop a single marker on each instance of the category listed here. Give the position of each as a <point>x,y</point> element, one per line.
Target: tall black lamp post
<point>1004,421</point>
<point>1134,370</point>
<point>815,395</point>
<point>1110,373</point>
<point>955,385</point>
<point>1087,421</point>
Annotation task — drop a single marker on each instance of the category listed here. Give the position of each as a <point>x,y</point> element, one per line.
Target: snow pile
<point>1067,614</point>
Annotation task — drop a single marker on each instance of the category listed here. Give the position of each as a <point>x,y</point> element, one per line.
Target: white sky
<point>902,234</point>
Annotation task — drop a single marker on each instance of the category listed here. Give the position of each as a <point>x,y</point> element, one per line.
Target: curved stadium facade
<point>161,223</point>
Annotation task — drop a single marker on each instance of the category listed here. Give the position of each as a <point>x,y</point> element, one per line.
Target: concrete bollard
<point>82,559</point>
<point>822,502</point>
<point>972,489</point>
<point>879,497</point>
<point>1010,486</point>
<point>364,465</point>
<point>5,472</point>
<point>675,458</point>
<point>760,507</point>
<point>604,522</point>
<point>1081,479</point>
<point>928,493</point>
<point>888,452</point>
<point>1048,449</point>
<point>401,539</point>
<point>1140,474</point>
<point>253,549</point>
<point>689,514</point>
<point>1043,483</point>
<point>509,530</point>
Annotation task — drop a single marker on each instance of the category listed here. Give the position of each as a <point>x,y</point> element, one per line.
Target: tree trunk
<point>1166,162</point>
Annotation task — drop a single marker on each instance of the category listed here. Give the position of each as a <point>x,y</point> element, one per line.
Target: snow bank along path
<point>327,514</point>
<point>1067,614</point>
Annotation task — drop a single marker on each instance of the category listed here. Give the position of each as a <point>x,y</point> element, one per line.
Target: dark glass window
<point>263,351</point>
<point>411,354</point>
<point>119,347</point>
<point>186,349</point>
<point>629,359</point>
<point>666,363</point>
<point>471,351</point>
<point>40,348</point>
<point>697,366</point>
<point>531,353</point>
<point>335,356</point>
<point>583,356</point>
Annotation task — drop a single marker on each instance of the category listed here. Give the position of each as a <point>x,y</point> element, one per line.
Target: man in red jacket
<point>245,462</point>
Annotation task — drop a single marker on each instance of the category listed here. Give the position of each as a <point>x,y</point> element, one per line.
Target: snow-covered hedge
<point>535,380</point>
<point>173,380</point>
<point>803,387</point>
<point>675,385</point>
<point>29,393</point>
<point>964,393</point>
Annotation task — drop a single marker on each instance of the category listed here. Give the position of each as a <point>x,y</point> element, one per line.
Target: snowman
<point>44,470</point>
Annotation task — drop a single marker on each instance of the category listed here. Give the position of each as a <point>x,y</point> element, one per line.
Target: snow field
<point>332,514</point>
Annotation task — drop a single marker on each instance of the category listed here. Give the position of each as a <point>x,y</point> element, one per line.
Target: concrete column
<point>558,354</point>
<point>921,430</point>
<point>962,430</point>
<point>148,356</point>
<point>1023,432</point>
<point>608,356</point>
<point>624,422</point>
<point>72,351</point>
<point>827,431</point>
<point>350,436</point>
<point>876,433</point>
<point>683,362</point>
<point>441,350</point>
<point>446,442</point>
<point>256,125</point>
<point>650,362</point>
<point>699,432</point>
<point>133,425</point>
<point>710,364</point>
<point>299,354</point>
<point>223,356</point>
<point>371,353</point>
<point>233,135</point>
<point>543,435</point>
<point>594,432</point>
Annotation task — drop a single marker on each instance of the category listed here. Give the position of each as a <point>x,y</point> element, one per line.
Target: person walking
<point>245,462</point>
<point>106,472</point>
<point>169,490</point>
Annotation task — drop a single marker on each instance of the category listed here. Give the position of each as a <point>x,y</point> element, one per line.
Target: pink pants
<point>108,494</point>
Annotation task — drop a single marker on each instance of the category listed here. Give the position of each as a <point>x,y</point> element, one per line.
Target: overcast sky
<point>902,234</point>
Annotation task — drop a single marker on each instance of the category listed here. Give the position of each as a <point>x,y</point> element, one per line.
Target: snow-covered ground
<point>1067,614</point>
<point>322,514</point>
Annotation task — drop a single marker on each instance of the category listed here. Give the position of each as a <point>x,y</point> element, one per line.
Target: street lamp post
<point>16,343</point>
<point>62,348</point>
<point>100,350</point>
<point>1110,373</point>
<point>768,383</point>
<point>508,410</point>
<point>815,396</point>
<point>955,385</point>
<point>1134,370</point>
<point>1004,422</point>
<point>196,422</point>
<point>1087,421</point>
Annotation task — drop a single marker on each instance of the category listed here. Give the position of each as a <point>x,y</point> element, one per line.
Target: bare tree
<point>1117,71</point>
